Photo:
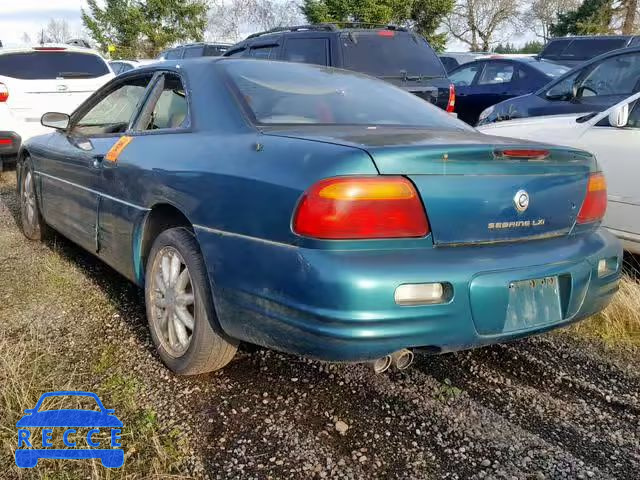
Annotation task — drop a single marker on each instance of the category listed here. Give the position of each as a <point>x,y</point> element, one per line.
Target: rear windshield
<point>552,70</point>
<point>278,93</point>
<point>387,53</point>
<point>51,65</point>
<point>582,49</point>
<point>554,48</point>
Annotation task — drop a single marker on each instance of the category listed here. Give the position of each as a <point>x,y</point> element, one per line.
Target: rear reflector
<point>451,104</point>
<point>4,93</point>
<point>349,208</point>
<point>595,202</point>
<point>419,294</point>
<point>386,33</point>
<point>524,153</point>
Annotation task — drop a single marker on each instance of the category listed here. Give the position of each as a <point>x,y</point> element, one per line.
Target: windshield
<point>48,65</point>
<point>387,53</point>
<point>552,70</point>
<point>293,93</point>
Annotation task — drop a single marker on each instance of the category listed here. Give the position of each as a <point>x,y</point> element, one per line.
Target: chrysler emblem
<point>521,200</point>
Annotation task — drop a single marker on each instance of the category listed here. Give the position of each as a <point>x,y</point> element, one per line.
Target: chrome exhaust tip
<point>402,359</point>
<point>381,364</point>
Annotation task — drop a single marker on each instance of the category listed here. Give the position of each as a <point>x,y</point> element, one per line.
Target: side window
<point>236,53</point>
<point>522,74</point>
<point>174,54</point>
<point>114,111</point>
<point>125,68</point>
<point>497,73</point>
<point>192,52</point>
<point>307,50</point>
<point>634,116</point>
<point>617,75</point>
<point>170,109</point>
<point>464,77</point>
<point>262,52</point>
<point>116,67</point>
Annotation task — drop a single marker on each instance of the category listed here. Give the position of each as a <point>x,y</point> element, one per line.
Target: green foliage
<point>532,47</point>
<point>592,17</point>
<point>141,28</point>
<point>529,47</point>
<point>425,16</point>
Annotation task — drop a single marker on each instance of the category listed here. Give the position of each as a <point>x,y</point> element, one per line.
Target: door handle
<point>97,160</point>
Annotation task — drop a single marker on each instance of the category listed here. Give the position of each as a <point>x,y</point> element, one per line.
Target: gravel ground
<point>548,407</point>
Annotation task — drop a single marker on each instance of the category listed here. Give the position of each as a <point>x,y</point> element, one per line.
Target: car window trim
<point>134,130</point>
<point>100,95</point>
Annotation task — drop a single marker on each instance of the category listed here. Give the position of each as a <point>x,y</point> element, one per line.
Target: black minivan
<point>390,53</point>
<point>572,51</point>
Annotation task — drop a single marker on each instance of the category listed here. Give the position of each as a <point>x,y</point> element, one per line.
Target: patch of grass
<point>108,359</point>
<point>619,324</point>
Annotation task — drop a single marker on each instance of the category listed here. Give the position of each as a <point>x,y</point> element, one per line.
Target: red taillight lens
<point>4,93</point>
<point>386,33</point>
<point>349,208</point>
<point>6,141</point>
<point>524,153</point>
<point>595,202</point>
<point>451,104</point>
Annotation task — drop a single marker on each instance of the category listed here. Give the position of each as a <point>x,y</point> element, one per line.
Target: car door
<point>464,80</point>
<point>617,152</point>
<point>71,172</point>
<point>493,85</point>
<point>163,118</point>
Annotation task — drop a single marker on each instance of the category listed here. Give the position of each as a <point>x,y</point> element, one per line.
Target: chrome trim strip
<point>542,236</point>
<point>103,195</point>
<point>246,237</point>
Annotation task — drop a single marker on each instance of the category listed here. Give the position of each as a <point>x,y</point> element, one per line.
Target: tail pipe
<point>402,359</point>
<point>381,364</point>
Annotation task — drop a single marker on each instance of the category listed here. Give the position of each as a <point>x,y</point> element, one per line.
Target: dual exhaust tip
<point>401,360</point>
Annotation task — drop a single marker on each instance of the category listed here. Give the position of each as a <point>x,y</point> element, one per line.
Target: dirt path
<point>549,407</point>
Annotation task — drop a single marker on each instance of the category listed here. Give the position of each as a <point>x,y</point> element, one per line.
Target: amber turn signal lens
<point>595,201</point>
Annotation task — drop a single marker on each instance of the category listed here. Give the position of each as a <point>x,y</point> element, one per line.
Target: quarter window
<point>171,109</point>
<point>307,50</point>
<point>113,112</point>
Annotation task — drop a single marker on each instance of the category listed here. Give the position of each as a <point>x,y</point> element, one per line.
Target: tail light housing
<point>595,202</point>
<point>350,208</point>
<point>451,103</point>
<point>4,93</point>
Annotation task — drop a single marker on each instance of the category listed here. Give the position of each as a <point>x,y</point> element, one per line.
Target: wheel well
<point>161,217</point>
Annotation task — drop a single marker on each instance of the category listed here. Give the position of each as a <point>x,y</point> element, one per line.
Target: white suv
<point>43,79</point>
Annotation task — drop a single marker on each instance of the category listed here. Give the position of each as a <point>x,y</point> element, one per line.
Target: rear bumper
<point>9,142</point>
<point>338,305</point>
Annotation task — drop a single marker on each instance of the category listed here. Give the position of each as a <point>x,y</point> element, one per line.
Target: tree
<point>57,31</point>
<point>542,14</point>
<point>144,27</point>
<point>26,38</point>
<point>592,17</point>
<point>476,22</point>
<point>424,16</point>
<point>629,10</point>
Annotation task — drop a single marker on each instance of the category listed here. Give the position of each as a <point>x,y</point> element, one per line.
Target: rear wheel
<point>180,310</point>
<point>33,225</point>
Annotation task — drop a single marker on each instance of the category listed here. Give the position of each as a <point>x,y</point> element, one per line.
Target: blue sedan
<point>319,212</point>
<point>485,82</point>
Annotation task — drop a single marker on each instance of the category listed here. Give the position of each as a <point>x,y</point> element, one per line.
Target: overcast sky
<point>30,16</point>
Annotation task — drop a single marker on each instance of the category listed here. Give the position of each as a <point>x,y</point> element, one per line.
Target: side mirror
<point>59,121</point>
<point>619,116</point>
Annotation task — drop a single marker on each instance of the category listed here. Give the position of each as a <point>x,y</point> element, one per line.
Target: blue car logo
<point>27,456</point>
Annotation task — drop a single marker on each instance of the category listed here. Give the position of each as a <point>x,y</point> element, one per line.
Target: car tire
<point>168,291</point>
<point>33,225</point>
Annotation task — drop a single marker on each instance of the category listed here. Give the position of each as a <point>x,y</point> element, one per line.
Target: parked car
<point>485,82</point>
<point>391,53</point>
<point>324,213</point>
<point>592,87</point>
<point>39,79</point>
<point>614,137</point>
<point>191,50</point>
<point>572,51</point>
<point>121,66</point>
<point>452,60</point>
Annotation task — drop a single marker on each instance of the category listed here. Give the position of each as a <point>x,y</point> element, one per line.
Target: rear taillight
<point>595,202</point>
<point>347,208</point>
<point>4,93</point>
<point>451,103</point>
<point>523,153</point>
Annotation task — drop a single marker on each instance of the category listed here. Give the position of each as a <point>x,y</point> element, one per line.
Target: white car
<point>614,137</point>
<point>121,66</point>
<point>50,78</point>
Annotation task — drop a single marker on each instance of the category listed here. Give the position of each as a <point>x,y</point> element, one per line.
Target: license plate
<point>532,303</point>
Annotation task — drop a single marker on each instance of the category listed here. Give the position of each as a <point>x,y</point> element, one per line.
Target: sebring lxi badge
<point>521,202</point>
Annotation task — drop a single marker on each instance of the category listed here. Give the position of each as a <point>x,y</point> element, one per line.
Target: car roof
<point>328,27</point>
<point>49,47</point>
<point>591,37</point>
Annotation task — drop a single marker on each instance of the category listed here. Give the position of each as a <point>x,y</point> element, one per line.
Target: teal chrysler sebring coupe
<point>319,212</point>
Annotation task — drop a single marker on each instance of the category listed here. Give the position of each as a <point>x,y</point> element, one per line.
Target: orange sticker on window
<point>115,151</point>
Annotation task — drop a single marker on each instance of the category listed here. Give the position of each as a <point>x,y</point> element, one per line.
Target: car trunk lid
<point>470,187</point>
